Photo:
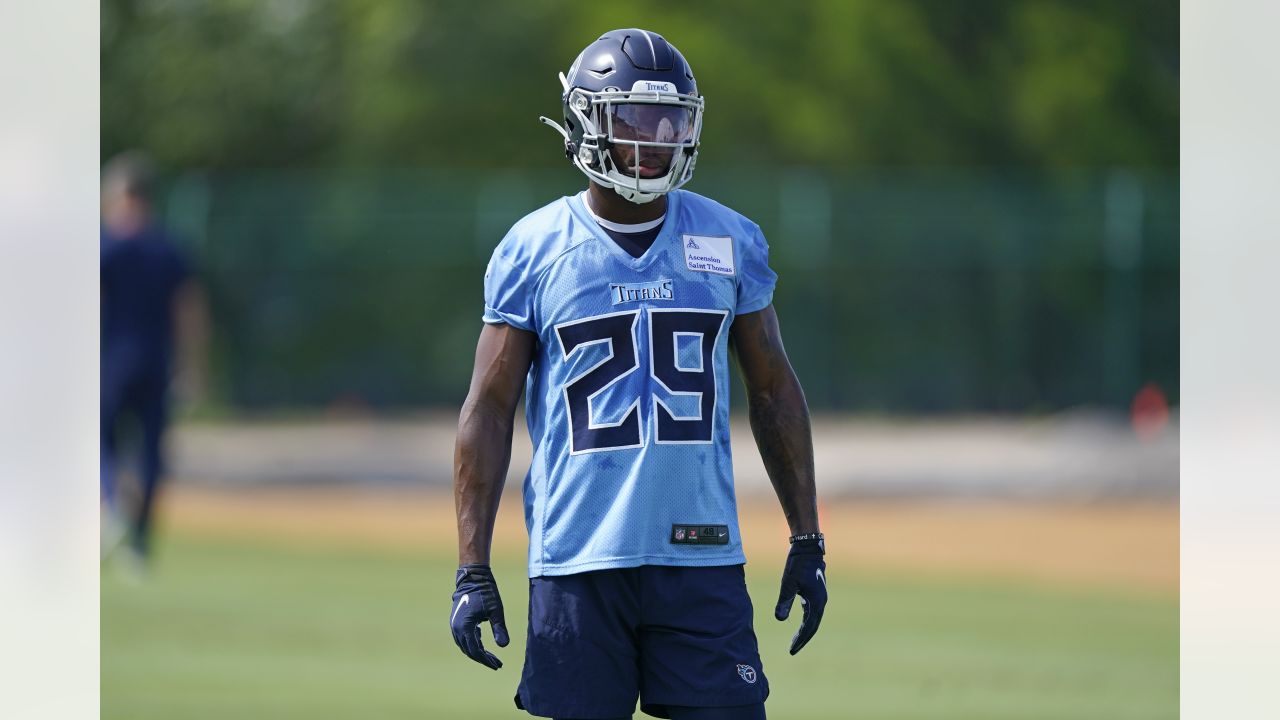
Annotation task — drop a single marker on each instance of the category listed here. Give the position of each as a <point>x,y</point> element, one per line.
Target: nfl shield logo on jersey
<point>679,534</point>
<point>747,673</point>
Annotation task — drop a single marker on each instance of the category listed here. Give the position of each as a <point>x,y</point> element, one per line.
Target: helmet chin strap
<point>635,196</point>
<point>630,192</point>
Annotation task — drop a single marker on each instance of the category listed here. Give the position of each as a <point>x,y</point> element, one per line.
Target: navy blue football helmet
<point>632,114</point>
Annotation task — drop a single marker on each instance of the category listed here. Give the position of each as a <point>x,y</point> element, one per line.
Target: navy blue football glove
<point>806,576</point>
<point>476,600</point>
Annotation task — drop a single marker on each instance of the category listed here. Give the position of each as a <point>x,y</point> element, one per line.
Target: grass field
<point>279,623</point>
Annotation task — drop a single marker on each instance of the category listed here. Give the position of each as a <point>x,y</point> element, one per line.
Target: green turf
<point>258,629</point>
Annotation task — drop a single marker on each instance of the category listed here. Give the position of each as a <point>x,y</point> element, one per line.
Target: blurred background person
<point>145,293</point>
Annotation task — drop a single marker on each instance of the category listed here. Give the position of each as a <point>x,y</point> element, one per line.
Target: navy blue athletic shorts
<point>671,635</point>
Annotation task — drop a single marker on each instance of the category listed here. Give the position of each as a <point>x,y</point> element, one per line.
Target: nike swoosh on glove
<point>475,600</point>
<point>805,575</point>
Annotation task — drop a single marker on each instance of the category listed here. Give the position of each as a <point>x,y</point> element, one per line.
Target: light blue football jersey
<point>627,399</point>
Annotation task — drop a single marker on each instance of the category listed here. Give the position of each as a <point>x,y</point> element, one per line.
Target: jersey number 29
<point>618,330</point>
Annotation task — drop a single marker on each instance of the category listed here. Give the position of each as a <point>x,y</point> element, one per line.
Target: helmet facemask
<point>654,129</point>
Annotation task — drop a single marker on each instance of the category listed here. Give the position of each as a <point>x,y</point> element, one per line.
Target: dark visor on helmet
<point>650,123</point>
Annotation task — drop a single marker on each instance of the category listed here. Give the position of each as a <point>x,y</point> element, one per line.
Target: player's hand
<point>806,576</point>
<point>476,600</point>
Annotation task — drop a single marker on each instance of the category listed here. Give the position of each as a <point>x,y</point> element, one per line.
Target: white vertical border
<point>1230,359</point>
<point>49,130</point>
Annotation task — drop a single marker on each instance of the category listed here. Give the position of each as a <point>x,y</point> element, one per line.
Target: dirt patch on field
<point>1130,545</point>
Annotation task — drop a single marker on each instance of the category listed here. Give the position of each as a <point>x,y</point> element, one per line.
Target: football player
<point>150,307</point>
<point>614,310</point>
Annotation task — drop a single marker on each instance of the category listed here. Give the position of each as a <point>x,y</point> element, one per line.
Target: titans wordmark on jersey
<point>627,400</point>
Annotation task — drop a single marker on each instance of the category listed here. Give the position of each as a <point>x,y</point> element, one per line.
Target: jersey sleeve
<point>756,280</point>
<point>508,291</point>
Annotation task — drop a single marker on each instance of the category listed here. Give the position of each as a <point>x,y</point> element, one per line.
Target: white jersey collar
<point>621,227</point>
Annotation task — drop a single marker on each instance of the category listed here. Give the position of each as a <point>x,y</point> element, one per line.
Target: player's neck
<point>126,223</point>
<point>611,206</point>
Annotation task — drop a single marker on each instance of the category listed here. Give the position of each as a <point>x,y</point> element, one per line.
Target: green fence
<point>946,290</point>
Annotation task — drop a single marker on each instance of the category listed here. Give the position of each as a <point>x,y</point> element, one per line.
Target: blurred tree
<point>834,83</point>
<point>221,84</point>
<point>946,160</point>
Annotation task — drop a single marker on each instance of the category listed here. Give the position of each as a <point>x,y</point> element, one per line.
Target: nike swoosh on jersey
<point>461,601</point>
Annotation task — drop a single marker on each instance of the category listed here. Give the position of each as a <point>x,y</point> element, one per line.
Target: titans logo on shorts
<point>627,399</point>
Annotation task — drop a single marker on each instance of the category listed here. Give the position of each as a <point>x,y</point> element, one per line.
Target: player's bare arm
<point>779,416</point>
<point>780,423</point>
<point>483,449</point>
<point>480,460</point>
<point>191,329</point>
